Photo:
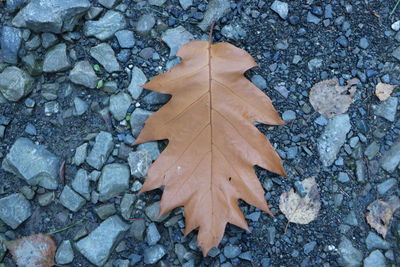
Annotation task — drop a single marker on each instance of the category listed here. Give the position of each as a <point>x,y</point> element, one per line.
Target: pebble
<point>309,247</point>
<point>138,78</point>
<point>391,158</point>
<point>231,251</point>
<point>48,40</point>
<point>105,211</point>
<point>15,83</point>
<point>80,154</point>
<point>71,200</point>
<point>396,26</point>
<point>155,98</point>
<point>80,107</point>
<point>81,184</point>
<point>374,241</point>
<point>342,40</point>
<point>137,229</point>
<point>216,9</point>
<point>363,43</point>
<point>289,115</point>
<point>177,37</point>
<point>101,150</point>
<point>153,210</point>
<point>10,40</point>
<point>185,4</point>
<point>314,64</point>
<point>105,28</point>
<point>114,180</point>
<point>45,199</point>
<point>83,74</point>
<point>108,3</point>
<point>65,253</point>
<point>14,210</point>
<point>138,117</point>
<point>126,205</point>
<point>343,177</point>
<point>56,59</point>
<point>375,259</point>
<point>152,235</point>
<point>387,109</point>
<point>119,105</point>
<point>312,18</point>
<point>371,150</point>
<point>386,186</point>
<point>259,81</point>
<point>125,39</point>
<point>349,255</point>
<point>105,55</point>
<point>139,162</point>
<point>281,8</point>
<point>153,254</point>
<point>145,23</point>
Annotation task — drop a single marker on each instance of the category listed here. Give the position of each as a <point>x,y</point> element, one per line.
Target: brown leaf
<point>35,250</point>
<point>380,213</point>
<point>213,144</point>
<point>330,99</point>
<point>383,91</point>
<point>299,209</point>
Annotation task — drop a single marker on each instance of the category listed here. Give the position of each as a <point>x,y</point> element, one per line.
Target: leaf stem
<point>211,32</point>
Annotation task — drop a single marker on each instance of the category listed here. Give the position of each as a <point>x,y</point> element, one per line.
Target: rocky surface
<point>15,83</point>
<point>14,210</point>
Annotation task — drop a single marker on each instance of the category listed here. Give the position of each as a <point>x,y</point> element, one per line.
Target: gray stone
<point>137,229</point>
<point>27,192</point>
<point>83,74</point>
<point>125,39</point>
<point>343,177</point>
<point>80,106</point>
<point>80,154</point>
<point>119,105</point>
<point>231,251</point>
<point>56,59</point>
<point>386,186</point>
<point>216,9</point>
<point>64,254</point>
<point>152,234</point>
<point>127,205</point>
<point>15,83</point>
<point>309,247</point>
<point>152,148</point>
<point>33,163</point>
<point>233,31</point>
<point>391,158</point>
<point>145,23</point>
<point>177,37</point>
<point>387,109</point>
<point>372,150</point>
<point>14,210</point>
<point>99,244</point>
<point>351,219</point>
<point>155,98</point>
<point>137,80</point>
<point>375,259</point>
<point>153,254</point>
<point>259,81</point>
<point>45,199</point>
<point>363,43</point>
<point>49,39</point>
<point>32,64</point>
<point>289,115</point>
<point>71,200</point>
<point>51,107</point>
<point>14,5</point>
<point>374,241</point>
<point>333,138</point>
<point>114,180</point>
<point>10,44</point>
<point>139,163</point>
<point>33,43</point>
<point>314,64</point>
<point>105,211</point>
<point>105,55</point>
<point>81,183</point>
<point>106,26</point>
<point>153,211</point>
<point>349,255</point>
<point>311,18</point>
<point>185,4</point>
<point>157,2</point>
<point>101,150</point>
<point>281,8</point>
<point>108,3</point>
<point>138,117</point>
<point>396,53</point>
<point>54,16</point>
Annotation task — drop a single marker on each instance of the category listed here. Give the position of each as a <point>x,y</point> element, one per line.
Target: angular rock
<point>157,2</point>
<point>374,241</point>
<point>108,3</point>
<point>125,39</point>
<point>80,106</point>
<point>108,233</point>
<point>83,74</point>
<point>372,150</point>
<point>33,163</point>
<point>105,55</point>
<point>127,205</point>
<point>349,255</point>
<point>106,26</point>
<point>155,98</point>
<point>64,254</point>
<point>71,200</point>
<point>138,117</point>
<point>54,16</point>
<point>56,59</point>
<point>151,147</point>
<point>49,39</point>
<point>105,211</point>
<point>137,229</point>
<point>14,5</point>
<point>80,154</point>
<point>391,158</point>
<point>153,212</point>
<point>10,44</point>
<point>281,8</point>
<point>114,180</point>
<point>145,23</point>
<point>137,79</point>
<point>375,259</point>
<point>119,105</point>
<point>81,183</point>
<point>234,31</point>
<point>15,83</point>
<point>32,64</point>
<point>152,234</point>
<point>185,4</point>
<point>101,150</point>
<point>14,210</point>
<point>387,109</point>
<point>333,138</point>
<point>386,186</point>
<point>177,37</point>
<point>139,162</point>
<point>153,254</point>
<point>216,9</point>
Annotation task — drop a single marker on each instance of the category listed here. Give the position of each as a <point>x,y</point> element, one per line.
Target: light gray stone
<point>15,83</point>
<point>64,254</point>
<point>138,117</point>
<point>119,105</point>
<point>153,211</point>
<point>71,200</point>
<point>145,23</point>
<point>156,98</point>
<point>14,210</point>
<point>108,3</point>
<point>113,181</point>
<point>375,259</point>
<point>152,234</point>
<point>185,4</point>
<point>56,59</point>
<point>99,244</point>
<point>137,229</point>
<point>216,9</point>
<point>105,55</point>
<point>80,154</point>
<point>391,158</point>
<point>288,115</point>
<point>152,148</point>
<point>83,74</point>
<point>372,150</point>
<point>137,80</point>
<point>333,138</point>
<point>387,109</point>
<point>386,186</point>
<point>234,31</point>
<point>349,255</point>
<point>374,241</point>
<point>157,2</point>
<point>153,254</point>
<point>127,205</point>
<point>81,183</point>
<point>105,211</point>
<point>106,26</point>
<point>259,81</point>
<point>33,163</point>
<point>10,41</point>
<point>314,64</point>
<point>139,162</point>
<point>343,177</point>
<point>14,5</point>
<point>281,8</point>
<point>101,150</point>
<point>125,39</point>
<point>80,106</point>
<point>175,38</point>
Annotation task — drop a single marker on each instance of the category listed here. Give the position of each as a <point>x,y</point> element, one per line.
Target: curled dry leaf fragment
<point>383,91</point>
<point>35,250</point>
<point>380,213</point>
<point>330,99</point>
<point>299,209</point>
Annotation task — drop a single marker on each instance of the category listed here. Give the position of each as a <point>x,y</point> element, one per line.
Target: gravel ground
<point>70,101</point>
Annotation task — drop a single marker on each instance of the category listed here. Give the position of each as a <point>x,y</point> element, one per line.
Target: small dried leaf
<point>35,250</point>
<point>383,91</point>
<point>380,213</point>
<point>330,99</point>
<point>299,209</point>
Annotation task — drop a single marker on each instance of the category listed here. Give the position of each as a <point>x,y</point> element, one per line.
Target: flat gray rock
<point>175,38</point>
<point>151,147</point>
<point>99,244</point>
<point>216,9</point>
<point>54,16</point>
<point>81,183</point>
<point>80,154</point>
<point>185,4</point>
<point>71,200</point>
<point>349,255</point>
<point>387,109</point>
<point>152,234</point>
<point>145,23</point>
<point>126,206</point>
<point>80,106</point>
<point>157,2</point>
<point>125,39</point>
<point>391,158</point>
<point>156,98</point>
<point>33,163</point>
<point>153,254</point>
<point>108,3</point>
<point>101,150</point>
<point>138,117</point>
<point>386,186</point>
<point>10,44</point>
<point>281,8</point>
<point>56,59</point>
<point>137,80</point>
<point>139,162</point>
<point>106,26</point>
<point>375,259</point>
<point>374,241</point>
<point>65,253</point>
<point>83,74</point>
<point>119,105</point>
<point>333,138</point>
<point>14,210</point>
<point>105,55</point>
<point>113,181</point>
<point>15,83</point>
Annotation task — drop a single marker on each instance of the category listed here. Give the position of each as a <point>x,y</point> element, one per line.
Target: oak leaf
<point>213,143</point>
<point>380,213</point>
<point>383,91</point>
<point>34,250</point>
<point>298,209</point>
